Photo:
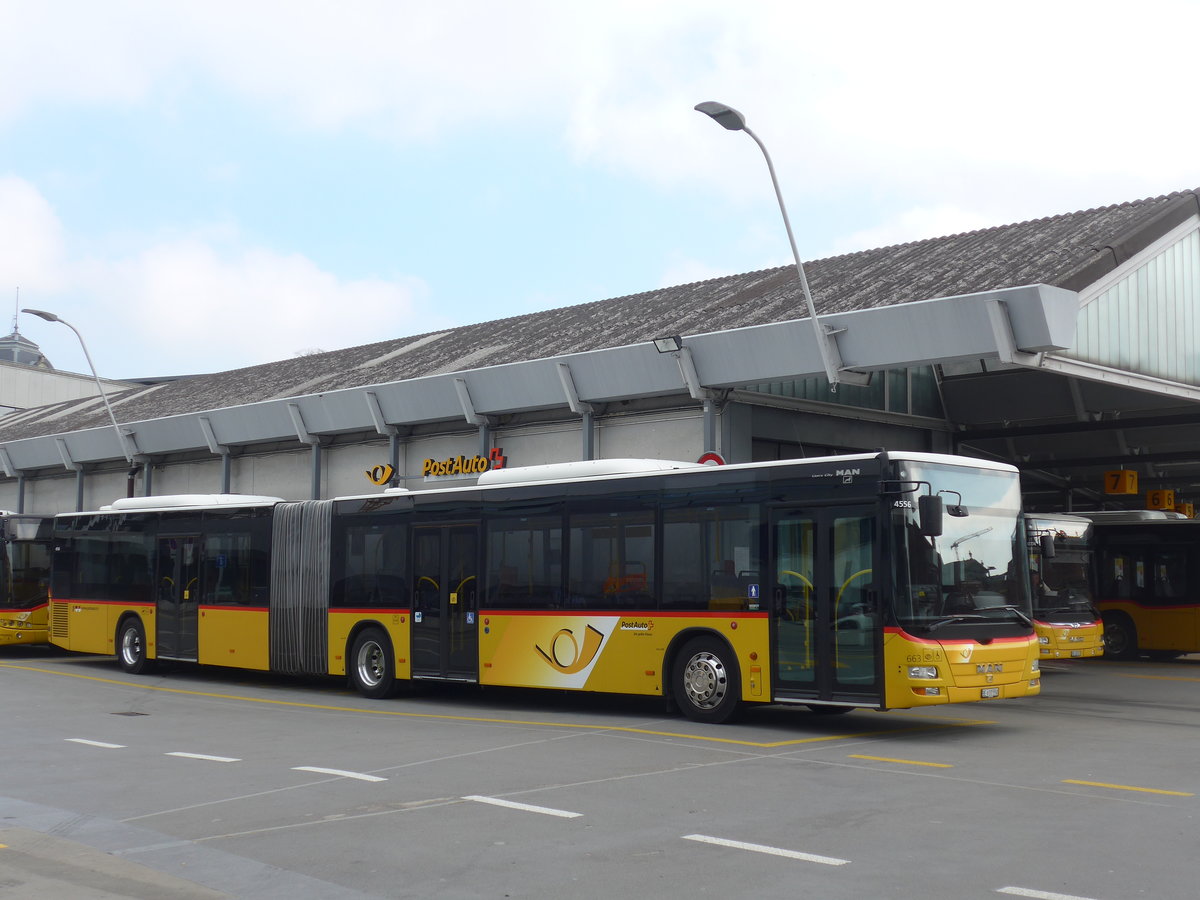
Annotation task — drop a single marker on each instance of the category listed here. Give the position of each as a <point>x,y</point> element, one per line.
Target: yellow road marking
<point>1128,787</point>
<point>907,762</point>
<point>769,745</point>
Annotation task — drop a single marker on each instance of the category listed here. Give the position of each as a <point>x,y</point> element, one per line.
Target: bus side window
<point>1170,575</point>
<point>1117,573</point>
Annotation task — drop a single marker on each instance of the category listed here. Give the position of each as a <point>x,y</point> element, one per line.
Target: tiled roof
<point>1070,250</point>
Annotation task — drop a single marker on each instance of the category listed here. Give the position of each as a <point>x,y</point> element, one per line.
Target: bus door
<point>445,591</point>
<point>825,605</point>
<point>178,596</point>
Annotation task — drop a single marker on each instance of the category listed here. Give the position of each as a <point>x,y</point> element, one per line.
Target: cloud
<point>936,89</point>
<point>190,303</point>
<point>31,240</point>
<point>252,305</point>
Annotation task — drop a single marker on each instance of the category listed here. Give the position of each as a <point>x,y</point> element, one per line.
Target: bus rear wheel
<point>1120,636</point>
<point>131,647</point>
<point>372,668</point>
<point>706,682</point>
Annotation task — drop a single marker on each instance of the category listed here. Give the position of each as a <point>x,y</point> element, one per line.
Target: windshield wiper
<point>950,620</point>
<point>1020,614</point>
<point>977,617</point>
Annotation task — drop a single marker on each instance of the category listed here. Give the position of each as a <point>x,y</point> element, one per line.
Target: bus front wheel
<point>706,682</point>
<point>131,647</point>
<point>1120,637</point>
<point>372,668</point>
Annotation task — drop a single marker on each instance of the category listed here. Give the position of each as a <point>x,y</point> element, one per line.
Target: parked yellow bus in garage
<point>876,581</point>
<point>24,577</point>
<point>1065,616</point>
<point>1148,573</point>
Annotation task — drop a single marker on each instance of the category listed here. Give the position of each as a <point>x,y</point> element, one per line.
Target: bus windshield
<point>1062,582</point>
<point>974,571</point>
<point>24,561</point>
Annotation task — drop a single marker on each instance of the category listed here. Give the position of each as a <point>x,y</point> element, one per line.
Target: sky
<point>202,186</point>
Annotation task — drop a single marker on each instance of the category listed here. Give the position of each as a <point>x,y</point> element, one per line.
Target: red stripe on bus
<point>625,613</point>
<point>371,610</point>
<point>108,602</point>
<point>19,609</point>
<point>892,629</point>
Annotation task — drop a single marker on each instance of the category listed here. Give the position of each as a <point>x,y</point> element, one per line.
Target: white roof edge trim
<point>586,468</point>
<point>188,501</point>
<point>1056,517</point>
<point>950,460</point>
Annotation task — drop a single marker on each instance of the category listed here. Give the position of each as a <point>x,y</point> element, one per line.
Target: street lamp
<point>51,317</point>
<point>730,118</point>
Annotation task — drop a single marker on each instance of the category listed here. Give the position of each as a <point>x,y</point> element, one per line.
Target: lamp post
<point>51,317</point>
<point>730,118</point>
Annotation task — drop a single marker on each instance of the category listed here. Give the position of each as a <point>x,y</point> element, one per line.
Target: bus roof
<point>186,501</point>
<point>1125,516</point>
<point>587,468</point>
<point>1071,518</point>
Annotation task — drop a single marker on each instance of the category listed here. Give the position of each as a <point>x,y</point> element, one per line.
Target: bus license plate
<point>989,693</point>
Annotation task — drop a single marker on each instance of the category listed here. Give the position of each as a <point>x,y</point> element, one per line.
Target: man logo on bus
<point>565,654</point>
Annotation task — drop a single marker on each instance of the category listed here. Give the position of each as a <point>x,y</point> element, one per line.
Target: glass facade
<point>908,391</point>
<point>1148,322</point>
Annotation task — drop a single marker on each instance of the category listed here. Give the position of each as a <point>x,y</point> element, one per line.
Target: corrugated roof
<point>1069,250</point>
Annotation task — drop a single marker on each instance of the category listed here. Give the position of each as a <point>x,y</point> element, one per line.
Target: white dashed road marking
<point>1037,895</point>
<point>361,776</point>
<point>203,756</point>
<point>763,848</point>
<point>509,804</point>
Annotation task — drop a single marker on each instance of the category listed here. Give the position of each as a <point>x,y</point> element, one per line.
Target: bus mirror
<point>1047,546</point>
<point>929,514</point>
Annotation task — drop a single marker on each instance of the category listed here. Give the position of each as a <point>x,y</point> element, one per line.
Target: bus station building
<point>1068,346</point>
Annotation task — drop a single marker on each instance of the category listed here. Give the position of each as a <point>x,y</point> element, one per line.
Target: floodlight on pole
<point>729,118</point>
<point>51,317</point>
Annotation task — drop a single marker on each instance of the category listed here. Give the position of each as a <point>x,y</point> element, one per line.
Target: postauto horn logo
<point>565,653</point>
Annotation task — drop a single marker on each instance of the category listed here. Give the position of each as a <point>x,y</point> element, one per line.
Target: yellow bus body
<point>24,626</point>
<point>1070,641</point>
<point>1161,628</point>
<point>90,626</point>
<point>233,636</point>
<point>965,670</point>
<point>345,623</point>
<point>608,652</point>
<point>612,652</point>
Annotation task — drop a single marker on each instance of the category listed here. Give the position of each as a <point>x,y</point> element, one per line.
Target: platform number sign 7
<point>1120,481</point>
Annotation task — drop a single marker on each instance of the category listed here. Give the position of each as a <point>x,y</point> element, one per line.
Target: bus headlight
<point>1043,639</point>
<point>1037,666</point>
<point>922,672</point>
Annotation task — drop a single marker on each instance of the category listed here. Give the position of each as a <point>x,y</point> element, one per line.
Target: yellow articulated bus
<point>876,581</point>
<point>1065,616</point>
<point>24,577</point>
